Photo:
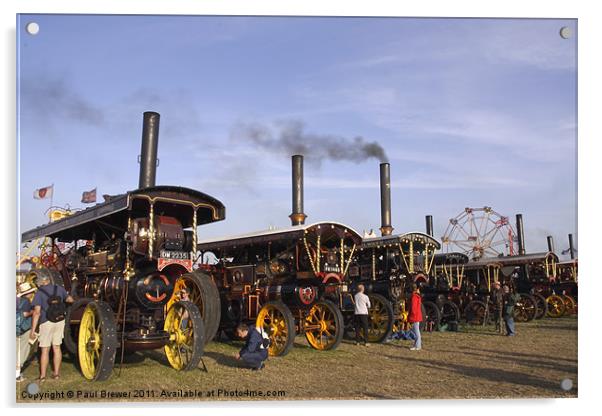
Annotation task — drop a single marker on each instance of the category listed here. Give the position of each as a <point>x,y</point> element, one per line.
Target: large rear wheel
<point>186,331</point>
<point>380,318</point>
<point>323,325</point>
<point>278,322</point>
<point>97,341</point>
<point>204,294</point>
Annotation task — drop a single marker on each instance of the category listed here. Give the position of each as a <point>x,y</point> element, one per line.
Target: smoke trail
<point>51,97</point>
<point>290,138</point>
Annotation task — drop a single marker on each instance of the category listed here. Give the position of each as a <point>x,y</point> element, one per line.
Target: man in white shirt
<point>362,303</point>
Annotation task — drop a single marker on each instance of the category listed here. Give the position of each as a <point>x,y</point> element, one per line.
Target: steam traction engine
<point>286,281</point>
<point>388,266</point>
<point>125,258</point>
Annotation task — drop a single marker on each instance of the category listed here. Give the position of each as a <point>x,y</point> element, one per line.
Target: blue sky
<point>470,112</point>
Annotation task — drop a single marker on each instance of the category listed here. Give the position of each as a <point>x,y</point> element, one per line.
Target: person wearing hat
<point>497,296</point>
<point>25,294</point>
<point>50,333</point>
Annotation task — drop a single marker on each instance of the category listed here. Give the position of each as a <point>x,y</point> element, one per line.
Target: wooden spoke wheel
<point>186,332</point>
<point>278,322</point>
<point>323,325</point>
<point>525,309</point>
<point>204,294</point>
<point>73,319</point>
<point>475,312</point>
<point>542,306</point>
<point>97,341</point>
<point>570,304</point>
<point>556,306</point>
<point>380,318</point>
<point>432,318</point>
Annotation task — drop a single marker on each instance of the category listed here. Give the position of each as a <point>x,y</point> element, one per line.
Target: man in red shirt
<point>415,316</point>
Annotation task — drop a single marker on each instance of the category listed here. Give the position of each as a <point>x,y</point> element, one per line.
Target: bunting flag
<point>89,197</point>
<point>43,193</point>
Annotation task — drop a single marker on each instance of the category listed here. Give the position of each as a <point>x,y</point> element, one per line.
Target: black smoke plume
<point>52,97</point>
<point>290,138</point>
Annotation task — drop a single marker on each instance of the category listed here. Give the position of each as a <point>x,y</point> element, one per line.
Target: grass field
<point>472,363</point>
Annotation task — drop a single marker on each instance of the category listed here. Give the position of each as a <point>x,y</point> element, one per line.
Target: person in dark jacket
<point>510,301</point>
<point>255,352</point>
<point>415,316</point>
<point>497,296</point>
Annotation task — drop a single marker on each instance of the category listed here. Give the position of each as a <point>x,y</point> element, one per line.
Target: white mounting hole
<point>566,384</point>
<point>32,28</point>
<point>565,32</point>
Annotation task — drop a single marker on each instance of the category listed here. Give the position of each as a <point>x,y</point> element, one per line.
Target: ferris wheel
<point>479,232</point>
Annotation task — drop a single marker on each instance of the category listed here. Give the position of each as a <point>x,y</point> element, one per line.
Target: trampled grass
<point>471,363</point>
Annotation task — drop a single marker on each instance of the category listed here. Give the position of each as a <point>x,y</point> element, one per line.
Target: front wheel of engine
<point>526,308</point>
<point>475,312</point>
<point>278,322</point>
<point>323,326</point>
<point>450,313</point>
<point>185,327</point>
<point>542,306</point>
<point>556,306</point>
<point>73,319</point>
<point>97,341</point>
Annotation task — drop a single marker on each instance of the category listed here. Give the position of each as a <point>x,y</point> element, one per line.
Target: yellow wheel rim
<point>556,306</point>
<point>179,349</point>
<point>379,320</point>
<point>320,327</point>
<point>273,322</point>
<point>400,317</point>
<point>89,343</point>
<point>571,305</point>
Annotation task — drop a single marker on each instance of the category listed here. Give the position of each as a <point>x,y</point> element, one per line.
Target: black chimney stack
<point>385,199</point>
<point>521,234</point>
<point>148,153</point>
<point>297,216</point>
<point>571,247</point>
<point>550,244</point>
<point>429,225</point>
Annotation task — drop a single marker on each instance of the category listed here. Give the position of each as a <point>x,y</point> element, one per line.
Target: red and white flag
<point>89,197</point>
<point>43,193</point>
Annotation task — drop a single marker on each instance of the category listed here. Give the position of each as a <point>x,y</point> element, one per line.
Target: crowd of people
<point>41,322</point>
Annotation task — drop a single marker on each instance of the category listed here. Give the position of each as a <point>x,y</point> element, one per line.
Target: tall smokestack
<point>521,234</point>
<point>148,153</point>
<point>297,216</point>
<point>429,225</point>
<point>550,244</point>
<point>571,247</point>
<point>385,199</point>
